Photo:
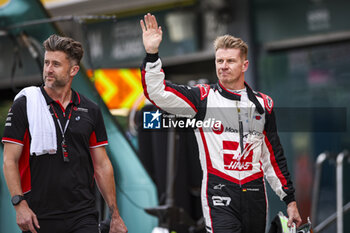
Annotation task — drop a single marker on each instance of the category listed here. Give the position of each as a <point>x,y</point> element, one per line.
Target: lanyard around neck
<point>63,143</point>
<point>58,121</point>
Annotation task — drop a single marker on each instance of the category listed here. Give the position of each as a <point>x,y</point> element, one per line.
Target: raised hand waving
<point>151,33</point>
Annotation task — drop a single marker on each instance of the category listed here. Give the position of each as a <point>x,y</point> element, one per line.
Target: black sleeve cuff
<point>288,199</point>
<point>151,57</point>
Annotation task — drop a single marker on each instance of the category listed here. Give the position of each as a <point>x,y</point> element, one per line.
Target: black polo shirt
<point>54,188</point>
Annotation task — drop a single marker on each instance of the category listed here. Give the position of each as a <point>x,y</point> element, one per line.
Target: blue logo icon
<point>151,120</point>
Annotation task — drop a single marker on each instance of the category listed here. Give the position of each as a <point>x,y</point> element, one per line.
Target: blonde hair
<point>231,42</point>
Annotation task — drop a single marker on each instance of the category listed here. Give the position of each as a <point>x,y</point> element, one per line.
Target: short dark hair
<point>72,48</point>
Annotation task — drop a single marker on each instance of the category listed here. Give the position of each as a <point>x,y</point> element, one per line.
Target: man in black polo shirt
<point>54,150</point>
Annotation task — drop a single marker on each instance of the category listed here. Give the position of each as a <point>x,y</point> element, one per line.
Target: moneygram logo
<point>153,120</point>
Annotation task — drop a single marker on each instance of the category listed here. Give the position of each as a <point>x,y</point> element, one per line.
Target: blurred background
<point>299,55</point>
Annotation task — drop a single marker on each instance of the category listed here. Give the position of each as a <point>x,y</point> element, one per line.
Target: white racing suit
<point>234,162</point>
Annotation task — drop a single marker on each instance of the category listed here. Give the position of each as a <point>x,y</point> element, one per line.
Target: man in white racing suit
<point>238,152</point>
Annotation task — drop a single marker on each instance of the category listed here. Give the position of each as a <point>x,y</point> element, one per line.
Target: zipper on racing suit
<point>240,131</point>
<point>241,128</point>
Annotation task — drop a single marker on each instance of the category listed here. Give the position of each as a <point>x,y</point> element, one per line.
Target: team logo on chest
<point>234,160</point>
<point>204,90</point>
<point>268,102</point>
<point>78,109</point>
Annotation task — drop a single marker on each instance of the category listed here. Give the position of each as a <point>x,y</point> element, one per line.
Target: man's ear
<point>245,65</point>
<point>74,70</point>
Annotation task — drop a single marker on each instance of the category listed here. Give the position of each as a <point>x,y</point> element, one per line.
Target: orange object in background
<point>119,88</point>
<point>3,2</point>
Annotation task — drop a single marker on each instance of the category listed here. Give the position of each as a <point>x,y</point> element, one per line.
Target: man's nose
<point>224,65</point>
<point>48,67</point>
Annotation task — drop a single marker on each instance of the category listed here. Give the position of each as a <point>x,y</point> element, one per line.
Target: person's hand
<point>151,34</point>
<point>25,217</point>
<point>117,225</point>
<point>293,214</point>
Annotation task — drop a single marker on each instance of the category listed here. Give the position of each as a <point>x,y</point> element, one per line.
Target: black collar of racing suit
<point>234,96</point>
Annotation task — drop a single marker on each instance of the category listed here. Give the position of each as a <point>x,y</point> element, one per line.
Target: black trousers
<point>81,224</point>
<point>235,208</point>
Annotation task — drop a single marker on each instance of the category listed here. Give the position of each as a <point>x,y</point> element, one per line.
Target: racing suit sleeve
<point>274,162</point>
<point>172,98</point>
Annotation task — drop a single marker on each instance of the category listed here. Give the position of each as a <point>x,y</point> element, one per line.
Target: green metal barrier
<point>135,189</point>
<point>7,212</point>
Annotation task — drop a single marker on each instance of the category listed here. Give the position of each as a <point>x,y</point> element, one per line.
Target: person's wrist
<point>292,204</point>
<point>152,50</point>
<point>17,199</point>
<point>22,204</point>
<point>115,214</point>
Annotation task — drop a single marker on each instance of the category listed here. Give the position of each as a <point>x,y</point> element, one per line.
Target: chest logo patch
<point>268,102</point>
<point>234,160</point>
<point>204,90</point>
<point>80,109</point>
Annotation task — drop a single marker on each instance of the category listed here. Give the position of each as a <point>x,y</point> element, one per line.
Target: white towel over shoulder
<point>41,125</point>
